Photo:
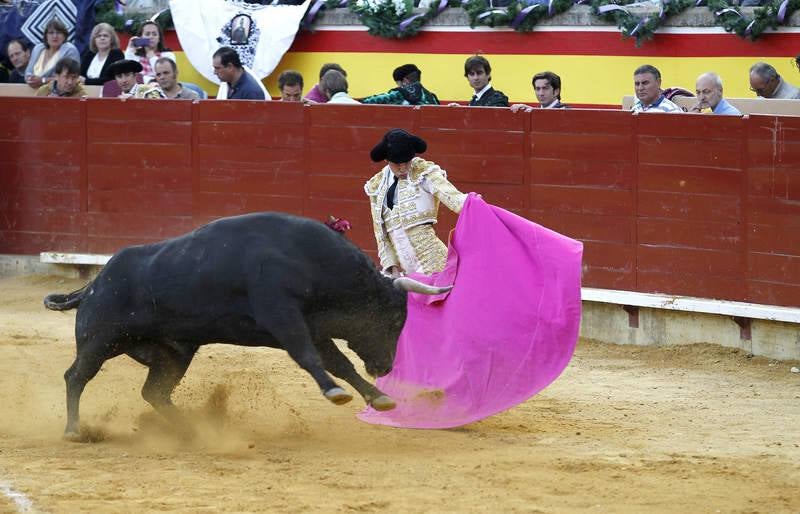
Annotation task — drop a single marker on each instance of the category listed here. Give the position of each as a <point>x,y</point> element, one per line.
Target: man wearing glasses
<point>766,82</point>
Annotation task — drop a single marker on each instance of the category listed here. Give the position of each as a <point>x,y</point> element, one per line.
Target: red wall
<point>694,205</point>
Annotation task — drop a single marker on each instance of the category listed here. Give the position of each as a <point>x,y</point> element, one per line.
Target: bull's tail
<point>65,302</point>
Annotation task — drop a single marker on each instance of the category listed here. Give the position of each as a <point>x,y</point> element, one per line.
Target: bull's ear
<point>409,284</point>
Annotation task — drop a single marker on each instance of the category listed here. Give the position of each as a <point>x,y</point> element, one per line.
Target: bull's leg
<point>289,327</point>
<point>167,368</point>
<point>88,361</point>
<point>340,366</point>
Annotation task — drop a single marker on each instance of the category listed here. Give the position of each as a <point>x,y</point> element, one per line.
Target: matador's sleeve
<point>446,192</point>
<point>386,252</point>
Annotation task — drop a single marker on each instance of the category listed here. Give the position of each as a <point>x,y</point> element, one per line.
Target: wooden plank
<point>146,155</point>
<point>706,128</point>
<point>34,129</point>
<point>141,113</point>
<point>656,204</point>
<point>774,267</point>
<point>690,179</point>
<point>40,175</point>
<point>564,172</point>
<point>124,178</point>
<point>677,260</point>
<point>774,182</point>
<point>690,234</point>
<point>41,220</point>
<point>246,182</point>
<point>233,204</point>
<point>483,169</point>
<point>472,142</point>
<point>581,147</point>
<point>382,117</point>
<point>783,238</point>
<point>580,121</point>
<point>44,152</point>
<point>702,285</point>
<point>583,200</point>
<point>345,138</point>
<point>470,118</point>
<point>272,135</point>
<point>129,131</point>
<point>689,152</point>
<point>285,160</point>
<point>245,111</point>
<point>585,227</point>
<point>135,229</point>
<point>141,202</point>
<point>771,293</point>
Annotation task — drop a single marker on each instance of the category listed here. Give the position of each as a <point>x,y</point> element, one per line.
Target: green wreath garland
<point>642,28</point>
<point>765,17</point>
<point>520,15</point>
<point>394,19</point>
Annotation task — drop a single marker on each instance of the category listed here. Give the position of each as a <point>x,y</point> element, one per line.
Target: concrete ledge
<point>74,258</point>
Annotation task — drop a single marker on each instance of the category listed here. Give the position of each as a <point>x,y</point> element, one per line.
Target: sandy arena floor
<point>625,429</point>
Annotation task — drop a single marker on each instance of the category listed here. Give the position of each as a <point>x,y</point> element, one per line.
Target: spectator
<point>649,97</point>
<point>315,94</point>
<point>290,84</point>
<point>148,54</point>
<point>547,87</point>
<point>167,78</point>
<point>334,85</point>
<point>124,72</point>
<point>478,72</point>
<point>19,53</point>
<point>409,90</point>
<point>766,82</point>
<point>709,95</point>
<point>103,51</point>
<point>66,80</point>
<point>797,62</point>
<point>46,54</point>
<point>241,85</point>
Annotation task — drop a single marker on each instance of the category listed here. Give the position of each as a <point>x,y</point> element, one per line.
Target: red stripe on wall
<point>552,43</point>
<point>782,44</point>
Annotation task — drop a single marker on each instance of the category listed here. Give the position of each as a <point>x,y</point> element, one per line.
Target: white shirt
<point>342,98</point>
<point>96,66</point>
<point>480,93</point>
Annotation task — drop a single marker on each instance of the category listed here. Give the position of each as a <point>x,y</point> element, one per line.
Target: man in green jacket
<point>409,90</point>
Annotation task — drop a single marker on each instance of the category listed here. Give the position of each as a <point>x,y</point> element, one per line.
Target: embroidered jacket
<point>418,198</point>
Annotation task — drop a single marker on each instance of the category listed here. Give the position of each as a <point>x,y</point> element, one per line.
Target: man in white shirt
<point>334,85</point>
<point>649,96</point>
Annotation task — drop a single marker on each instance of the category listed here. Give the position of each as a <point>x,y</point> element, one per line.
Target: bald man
<point>709,95</point>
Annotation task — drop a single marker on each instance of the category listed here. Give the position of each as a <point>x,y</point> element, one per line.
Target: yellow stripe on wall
<point>585,79</point>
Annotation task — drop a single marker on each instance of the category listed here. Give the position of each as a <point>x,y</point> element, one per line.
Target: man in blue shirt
<point>241,85</point>
<point>709,95</point>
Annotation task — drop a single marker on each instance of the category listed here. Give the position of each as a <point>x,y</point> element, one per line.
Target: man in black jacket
<point>479,74</point>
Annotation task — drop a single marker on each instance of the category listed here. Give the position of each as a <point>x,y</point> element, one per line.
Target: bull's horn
<point>409,284</point>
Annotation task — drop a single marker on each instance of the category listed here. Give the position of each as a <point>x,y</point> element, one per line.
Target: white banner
<point>261,34</point>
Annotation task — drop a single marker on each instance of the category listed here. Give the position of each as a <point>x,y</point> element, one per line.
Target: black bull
<point>264,279</point>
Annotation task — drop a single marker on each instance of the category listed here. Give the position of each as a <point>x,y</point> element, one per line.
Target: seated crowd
<point>147,69</point>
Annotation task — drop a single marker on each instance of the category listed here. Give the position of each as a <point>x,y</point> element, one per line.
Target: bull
<point>264,279</point>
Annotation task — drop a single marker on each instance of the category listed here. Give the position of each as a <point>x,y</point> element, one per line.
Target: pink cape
<point>505,332</point>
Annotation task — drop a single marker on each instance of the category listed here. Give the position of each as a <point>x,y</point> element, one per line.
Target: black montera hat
<point>398,146</point>
<point>124,66</point>
<point>401,72</point>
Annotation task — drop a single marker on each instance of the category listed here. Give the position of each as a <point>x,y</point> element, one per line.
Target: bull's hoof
<point>72,436</point>
<point>338,395</point>
<point>382,403</point>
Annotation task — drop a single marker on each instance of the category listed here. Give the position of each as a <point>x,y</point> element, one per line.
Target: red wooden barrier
<point>705,206</point>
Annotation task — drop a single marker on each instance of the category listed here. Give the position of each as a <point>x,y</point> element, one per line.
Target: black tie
<point>474,99</point>
<point>390,194</point>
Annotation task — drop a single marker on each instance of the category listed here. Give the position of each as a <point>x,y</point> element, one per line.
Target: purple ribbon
<point>782,10</point>
<point>119,6</point>
<point>603,9</point>
<point>443,6</point>
<point>699,3</point>
<point>636,28</point>
<point>749,28</point>
<point>661,13</point>
<point>728,10</point>
<point>312,13</point>
<point>522,14</point>
<point>405,23</point>
<point>486,14</point>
